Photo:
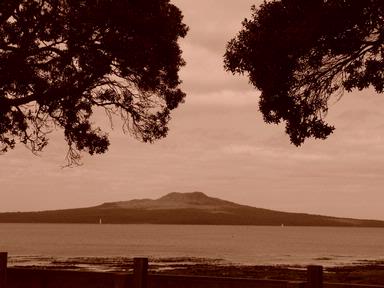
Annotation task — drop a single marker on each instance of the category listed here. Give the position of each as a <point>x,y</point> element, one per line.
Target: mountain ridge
<point>182,208</point>
<point>175,200</point>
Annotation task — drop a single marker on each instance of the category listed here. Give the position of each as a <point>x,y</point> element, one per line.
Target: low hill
<point>174,200</point>
<point>181,208</point>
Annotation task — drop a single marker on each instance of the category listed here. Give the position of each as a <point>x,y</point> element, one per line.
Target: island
<point>182,208</point>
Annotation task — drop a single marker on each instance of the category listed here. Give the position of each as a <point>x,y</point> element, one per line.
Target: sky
<point>217,144</point>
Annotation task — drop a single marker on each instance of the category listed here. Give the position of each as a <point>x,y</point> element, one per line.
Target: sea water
<point>247,245</point>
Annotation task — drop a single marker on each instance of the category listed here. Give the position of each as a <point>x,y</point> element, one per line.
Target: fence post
<point>140,272</point>
<point>315,276</point>
<point>120,281</point>
<point>3,269</point>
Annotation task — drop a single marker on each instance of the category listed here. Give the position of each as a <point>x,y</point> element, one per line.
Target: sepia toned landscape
<point>204,144</point>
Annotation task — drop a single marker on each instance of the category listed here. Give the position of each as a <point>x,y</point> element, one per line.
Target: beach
<point>371,272</point>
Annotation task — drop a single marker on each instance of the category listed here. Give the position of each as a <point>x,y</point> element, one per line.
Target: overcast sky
<point>217,144</point>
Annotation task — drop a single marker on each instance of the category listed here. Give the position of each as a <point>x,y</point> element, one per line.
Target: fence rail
<point>43,278</point>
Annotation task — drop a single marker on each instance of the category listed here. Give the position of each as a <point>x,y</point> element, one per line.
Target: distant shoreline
<point>193,224</point>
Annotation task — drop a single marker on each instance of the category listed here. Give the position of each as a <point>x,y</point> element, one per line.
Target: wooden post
<point>140,272</point>
<point>119,281</point>
<point>315,276</point>
<point>3,269</point>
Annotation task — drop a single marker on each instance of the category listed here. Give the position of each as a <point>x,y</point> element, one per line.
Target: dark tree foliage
<point>60,59</point>
<point>300,53</point>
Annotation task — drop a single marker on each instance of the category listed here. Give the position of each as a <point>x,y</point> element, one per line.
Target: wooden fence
<point>43,278</point>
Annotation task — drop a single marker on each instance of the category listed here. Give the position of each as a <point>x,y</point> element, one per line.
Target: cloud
<point>211,27</point>
<point>232,98</point>
<point>274,153</point>
<point>204,72</point>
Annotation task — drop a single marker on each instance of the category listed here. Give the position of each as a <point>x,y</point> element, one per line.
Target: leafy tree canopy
<point>300,53</point>
<point>60,59</point>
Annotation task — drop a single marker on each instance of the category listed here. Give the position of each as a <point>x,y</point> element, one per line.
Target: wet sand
<point>371,272</point>
<point>362,274</point>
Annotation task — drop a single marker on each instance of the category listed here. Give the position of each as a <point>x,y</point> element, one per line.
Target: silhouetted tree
<point>299,53</point>
<point>60,59</point>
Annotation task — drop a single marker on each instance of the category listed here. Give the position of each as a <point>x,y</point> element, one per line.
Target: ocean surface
<point>41,244</point>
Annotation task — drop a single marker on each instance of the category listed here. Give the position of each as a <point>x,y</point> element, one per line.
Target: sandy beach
<point>371,272</point>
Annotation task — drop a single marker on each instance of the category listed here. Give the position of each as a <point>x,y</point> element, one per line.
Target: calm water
<point>235,244</point>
